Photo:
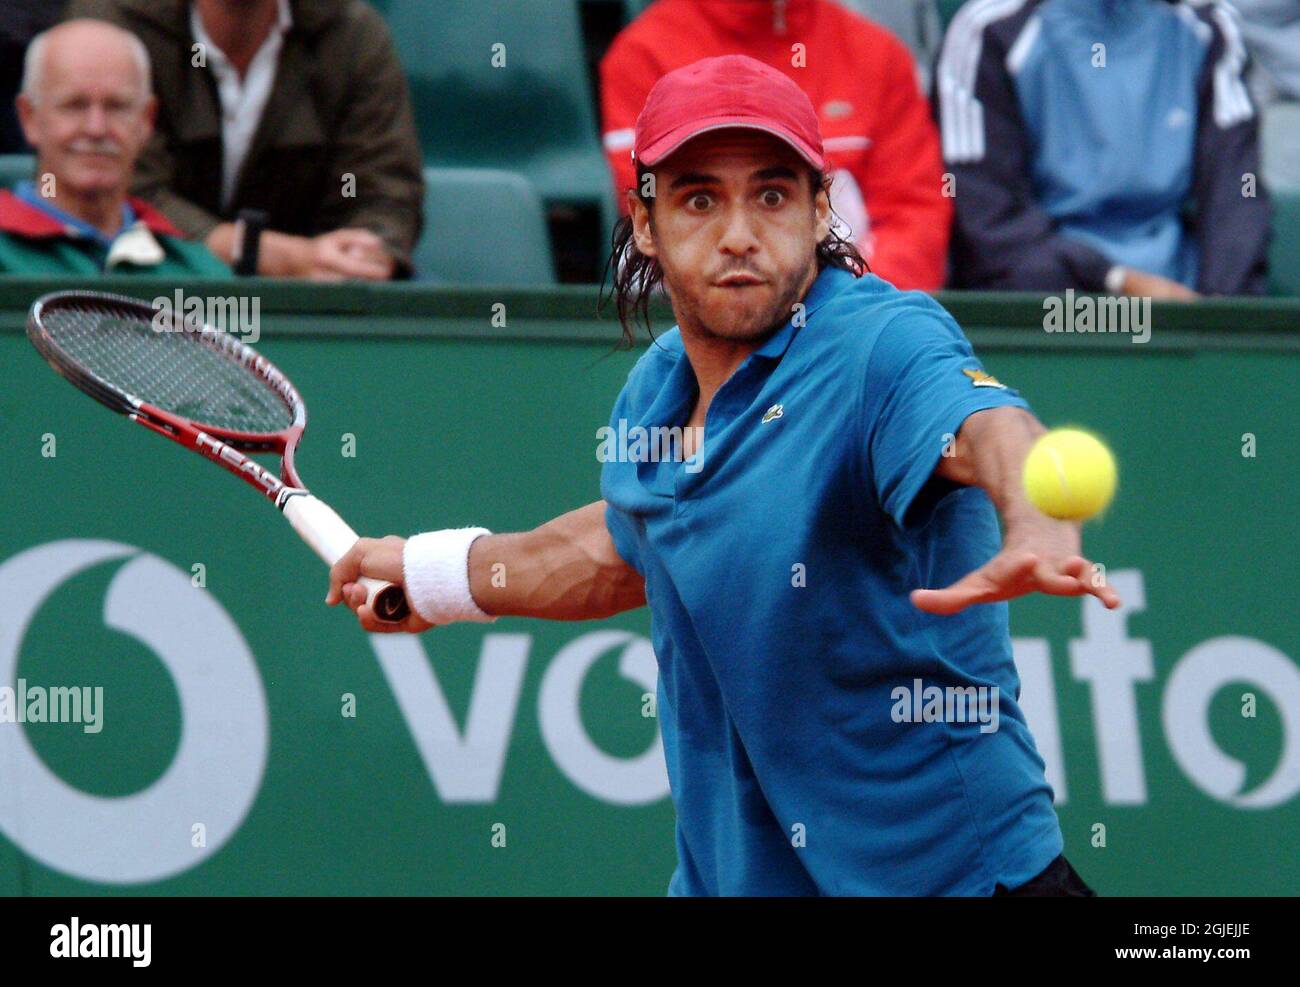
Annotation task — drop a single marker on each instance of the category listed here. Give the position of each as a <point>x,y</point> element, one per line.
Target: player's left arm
<point>1039,554</point>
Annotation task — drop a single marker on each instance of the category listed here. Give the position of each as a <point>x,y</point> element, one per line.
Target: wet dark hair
<point>635,276</point>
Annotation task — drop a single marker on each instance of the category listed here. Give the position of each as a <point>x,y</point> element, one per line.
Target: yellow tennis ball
<point>1069,474</point>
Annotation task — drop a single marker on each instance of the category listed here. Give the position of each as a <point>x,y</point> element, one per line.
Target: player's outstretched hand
<point>1038,556</point>
<point>378,558</point>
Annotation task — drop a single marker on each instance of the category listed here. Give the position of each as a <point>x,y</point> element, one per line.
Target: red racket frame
<point>226,447</point>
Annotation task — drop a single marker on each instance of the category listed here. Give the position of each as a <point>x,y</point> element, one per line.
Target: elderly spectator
<point>86,109</point>
<point>882,148</point>
<point>296,108</point>
<point>1102,146</point>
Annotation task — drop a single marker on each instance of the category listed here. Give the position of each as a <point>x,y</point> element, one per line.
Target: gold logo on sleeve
<point>979,378</point>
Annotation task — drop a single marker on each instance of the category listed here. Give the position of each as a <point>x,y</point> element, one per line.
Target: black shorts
<point>1058,880</point>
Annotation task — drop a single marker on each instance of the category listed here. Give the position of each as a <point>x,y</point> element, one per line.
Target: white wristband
<point>435,569</point>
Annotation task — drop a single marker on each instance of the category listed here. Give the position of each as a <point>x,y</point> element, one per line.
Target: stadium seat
<point>14,168</point>
<point>482,226</point>
<point>947,10</point>
<point>1279,145</point>
<point>633,8</point>
<point>916,23</point>
<point>534,115</point>
<point>1284,252</point>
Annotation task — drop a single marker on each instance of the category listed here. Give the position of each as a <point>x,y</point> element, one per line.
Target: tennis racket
<point>201,388</point>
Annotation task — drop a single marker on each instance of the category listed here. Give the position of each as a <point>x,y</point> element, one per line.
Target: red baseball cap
<point>725,91</point>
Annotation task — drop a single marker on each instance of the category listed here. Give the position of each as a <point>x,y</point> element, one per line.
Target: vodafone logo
<point>216,773</point>
<point>217,770</point>
<point>466,764</point>
<point>1116,667</point>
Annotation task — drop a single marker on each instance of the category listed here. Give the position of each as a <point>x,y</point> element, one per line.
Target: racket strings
<point>177,370</point>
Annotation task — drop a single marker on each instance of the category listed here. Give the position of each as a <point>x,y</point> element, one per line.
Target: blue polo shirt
<point>777,570</point>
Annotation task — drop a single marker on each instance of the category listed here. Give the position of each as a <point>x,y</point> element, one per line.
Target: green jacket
<point>340,106</point>
<point>33,242</point>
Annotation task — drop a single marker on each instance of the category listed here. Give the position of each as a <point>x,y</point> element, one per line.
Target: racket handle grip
<point>386,600</point>
<point>330,537</point>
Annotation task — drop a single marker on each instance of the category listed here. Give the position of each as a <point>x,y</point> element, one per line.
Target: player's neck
<point>714,360</point>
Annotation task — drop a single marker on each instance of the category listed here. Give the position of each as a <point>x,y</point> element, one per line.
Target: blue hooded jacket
<point>1085,134</point>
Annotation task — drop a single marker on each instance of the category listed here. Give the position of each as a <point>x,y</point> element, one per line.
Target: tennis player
<point>853,455</point>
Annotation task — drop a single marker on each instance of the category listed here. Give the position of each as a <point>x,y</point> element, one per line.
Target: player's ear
<point>642,234</point>
<point>822,218</point>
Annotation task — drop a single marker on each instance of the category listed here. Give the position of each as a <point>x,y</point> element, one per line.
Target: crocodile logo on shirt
<point>776,411</point>
<point>837,109</point>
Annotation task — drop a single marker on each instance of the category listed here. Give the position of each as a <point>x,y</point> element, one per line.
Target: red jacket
<point>25,220</point>
<point>875,121</point>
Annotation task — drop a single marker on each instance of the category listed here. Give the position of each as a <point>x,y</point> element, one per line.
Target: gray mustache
<point>95,147</point>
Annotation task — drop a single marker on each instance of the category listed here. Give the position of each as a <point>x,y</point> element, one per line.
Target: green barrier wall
<point>515,758</point>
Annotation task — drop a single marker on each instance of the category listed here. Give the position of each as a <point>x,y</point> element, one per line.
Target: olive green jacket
<point>340,107</point>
